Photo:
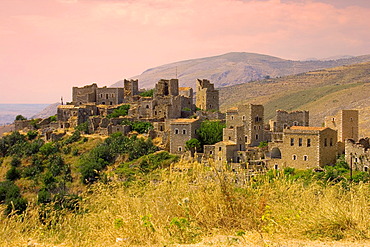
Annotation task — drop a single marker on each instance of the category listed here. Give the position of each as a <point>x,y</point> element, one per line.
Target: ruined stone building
<point>358,154</point>
<point>207,97</point>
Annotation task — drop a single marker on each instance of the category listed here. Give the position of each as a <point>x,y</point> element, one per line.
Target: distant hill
<point>322,92</point>
<point>8,112</point>
<point>235,68</point>
<point>48,111</point>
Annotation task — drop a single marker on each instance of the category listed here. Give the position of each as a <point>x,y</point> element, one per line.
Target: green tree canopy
<point>210,132</point>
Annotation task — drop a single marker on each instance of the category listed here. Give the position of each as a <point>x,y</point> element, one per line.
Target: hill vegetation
<point>322,92</point>
<point>84,191</point>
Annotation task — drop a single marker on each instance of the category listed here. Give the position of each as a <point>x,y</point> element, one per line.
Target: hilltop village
<point>248,141</point>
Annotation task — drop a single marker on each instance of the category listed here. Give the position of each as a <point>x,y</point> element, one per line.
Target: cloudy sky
<point>48,46</point>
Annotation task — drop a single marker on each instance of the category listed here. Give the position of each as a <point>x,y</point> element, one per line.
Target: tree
<point>210,132</point>
<point>147,93</point>
<point>120,111</point>
<point>20,117</point>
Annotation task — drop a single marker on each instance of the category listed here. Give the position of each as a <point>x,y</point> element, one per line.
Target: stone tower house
<point>207,98</point>
<point>167,88</point>
<point>251,117</point>
<point>346,123</point>
<point>83,95</point>
<point>131,88</point>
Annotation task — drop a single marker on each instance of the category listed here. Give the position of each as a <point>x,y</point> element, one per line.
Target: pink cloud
<point>50,46</point>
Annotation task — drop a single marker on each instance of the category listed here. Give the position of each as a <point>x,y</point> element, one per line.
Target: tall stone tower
<point>131,88</point>
<point>167,87</point>
<point>207,97</point>
<point>346,123</point>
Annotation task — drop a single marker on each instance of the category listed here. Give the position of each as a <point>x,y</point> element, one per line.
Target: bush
<point>147,93</point>
<point>20,117</point>
<point>18,205</point>
<point>120,111</point>
<point>73,138</point>
<point>13,174</point>
<point>32,134</point>
<point>15,162</point>
<point>83,127</point>
<point>48,149</point>
<point>138,126</point>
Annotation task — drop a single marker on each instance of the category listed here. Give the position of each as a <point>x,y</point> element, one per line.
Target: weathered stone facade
<point>207,97</point>
<point>308,147</point>
<point>251,117</point>
<point>346,123</point>
<point>181,131</point>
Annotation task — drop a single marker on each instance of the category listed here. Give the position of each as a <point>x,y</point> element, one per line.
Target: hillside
<point>235,68</point>
<point>322,92</point>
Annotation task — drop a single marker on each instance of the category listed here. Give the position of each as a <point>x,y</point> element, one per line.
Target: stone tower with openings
<point>207,97</point>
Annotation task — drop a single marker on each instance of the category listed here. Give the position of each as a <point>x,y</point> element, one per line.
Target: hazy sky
<point>48,46</point>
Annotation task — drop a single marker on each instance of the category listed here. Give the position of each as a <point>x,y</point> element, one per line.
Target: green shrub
<point>73,138</point>
<point>83,127</point>
<point>20,117</point>
<point>13,174</point>
<point>120,111</point>
<point>147,93</point>
<point>15,162</point>
<point>48,149</point>
<point>18,205</point>
<point>32,134</point>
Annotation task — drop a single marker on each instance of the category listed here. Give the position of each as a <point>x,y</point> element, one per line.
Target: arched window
<point>294,157</point>
<point>176,131</point>
<point>184,131</point>
<point>305,157</point>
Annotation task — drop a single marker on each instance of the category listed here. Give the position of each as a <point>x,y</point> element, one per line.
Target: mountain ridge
<point>234,68</point>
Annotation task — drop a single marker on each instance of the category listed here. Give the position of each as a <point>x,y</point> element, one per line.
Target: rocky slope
<point>235,68</point>
<point>322,92</point>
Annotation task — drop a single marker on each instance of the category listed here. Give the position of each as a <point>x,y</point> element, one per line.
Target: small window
<point>106,96</point>
<point>295,123</point>
<point>308,142</point>
<point>291,141</point>
<point>325,142</point>
<point>220,148</point>
<point>211,152</point>
<point>305,157</point>
<point>366,168</point>
<point>180,149</point>
<point>232,117</point>
<point>300,142</point>
<point>294,157</point>
<point>285,126</point>
<point>184,131</point>
<point>276,166</point>
<point>229,138</point>
<point>331,142</point>
<point>176,131</point>
<point>243,117</point>
<point>256,137</point>
<point>101,95</point>
<point>351,119</point>
<point>147,106</point>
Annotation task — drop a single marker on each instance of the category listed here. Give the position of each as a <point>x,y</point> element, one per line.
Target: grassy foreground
<point>190,203</point>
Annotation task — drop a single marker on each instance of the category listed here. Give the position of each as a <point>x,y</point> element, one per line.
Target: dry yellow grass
<point>200,205</point>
